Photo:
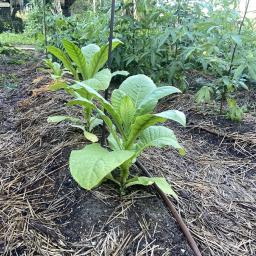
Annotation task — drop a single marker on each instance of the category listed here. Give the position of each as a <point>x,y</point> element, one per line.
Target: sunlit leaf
<point>90,165</point>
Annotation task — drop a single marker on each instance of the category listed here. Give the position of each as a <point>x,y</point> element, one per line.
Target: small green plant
<point>85,65</point>
<point>204,95</point>
<point>131,123</point>
<point>221,89</point>
<point>55,68</point>
<point>9,81</point>
<point>234,112</point>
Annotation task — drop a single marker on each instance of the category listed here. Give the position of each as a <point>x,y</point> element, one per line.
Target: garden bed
<point>44,212</point>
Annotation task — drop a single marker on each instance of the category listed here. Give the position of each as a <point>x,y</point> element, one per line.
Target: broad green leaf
<point>252,72</point>
<point>79,90</point>
<point>90,165</point>
<point>127,111</point>
<point>100,58</point>
<point>165,187</point>
<point>58,85</point>
<point>100,81</point>
<point>150,101</point>
<point>109,108</point>
<point>111,128</point>
<point>242,85</point>
<point>237,39</point>
<point>137,87</point>
<point>58,119</point>
<point>64,59</point>
<point>89,50</point>
<point>95,122</point>
<point>81,102</point>
<point>188,52</point>
<point>147,181</point>
<point>204,95</point>
<point>174,115</point>
<point>120,73</point>
<point>157,136</point>
<point>116,98</point>
<point>57,69</point>
<point>145,121</point>
<point>88,135</point>
<point>77,56</point>
<point>239,71</point>
<point>113,142</point>
<point>140,124</point>
<point>226,80</point>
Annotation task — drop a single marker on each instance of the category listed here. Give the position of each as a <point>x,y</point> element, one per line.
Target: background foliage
<point>166,40</point>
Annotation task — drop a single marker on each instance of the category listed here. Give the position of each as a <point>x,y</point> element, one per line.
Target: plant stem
<point>223,97</point>
<point>88,113</point>
<point>124,174</point>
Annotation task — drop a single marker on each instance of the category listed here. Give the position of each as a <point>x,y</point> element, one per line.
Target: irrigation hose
<point>174,212</point>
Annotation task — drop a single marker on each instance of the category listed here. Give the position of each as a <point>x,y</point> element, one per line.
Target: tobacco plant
<point>55,69</point>
<point>234,112</point>
<point>132,127</point>
<point>85,65</point>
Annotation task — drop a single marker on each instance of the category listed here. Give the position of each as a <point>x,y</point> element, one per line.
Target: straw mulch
<point>215,182</point>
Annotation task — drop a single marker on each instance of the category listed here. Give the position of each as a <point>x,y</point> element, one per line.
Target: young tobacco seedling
<point>234,112</point>
<point>131,123</point>
<point>55,68</point>
<point>85,65</point>
<point>204,95</point>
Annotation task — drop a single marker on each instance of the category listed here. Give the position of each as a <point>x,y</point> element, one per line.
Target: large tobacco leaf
<point>90,165</point>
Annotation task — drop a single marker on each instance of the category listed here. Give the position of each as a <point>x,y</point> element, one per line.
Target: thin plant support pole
<point>223,97</point>
<point>44,23</point>
<point>239,33</point>
<point>110,41</point>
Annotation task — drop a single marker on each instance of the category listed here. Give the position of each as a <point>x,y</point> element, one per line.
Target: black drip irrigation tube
<point>166,200</point>
<point>174,212</point>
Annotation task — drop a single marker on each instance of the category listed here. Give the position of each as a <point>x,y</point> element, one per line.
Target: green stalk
<point>124,173</point>
<point>223,98</point>
<point>88,114</point>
